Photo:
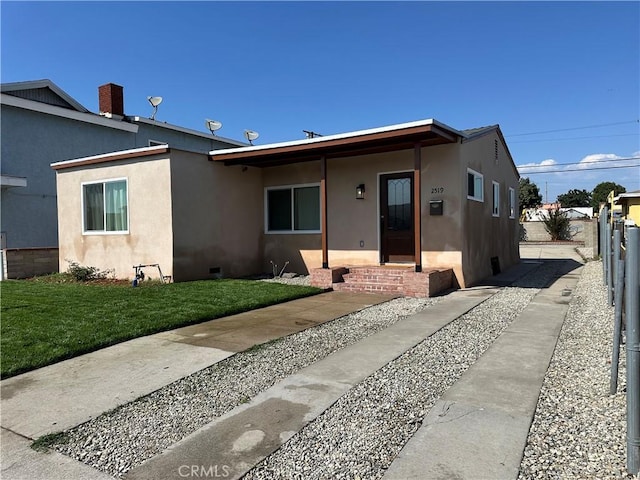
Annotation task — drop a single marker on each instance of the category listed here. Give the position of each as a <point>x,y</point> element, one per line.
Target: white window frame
<point>512,202</point>
<point>475,175</point>
<point>495,206</point>
<point>82,211</point>
<point>292,231</point>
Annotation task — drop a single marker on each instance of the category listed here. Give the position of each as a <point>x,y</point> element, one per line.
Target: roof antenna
<point>311,134</point>
<point>213,125</point>
<point>154,101</point>
<point>250,135</point>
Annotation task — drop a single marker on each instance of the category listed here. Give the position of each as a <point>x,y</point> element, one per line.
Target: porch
<point>400,280</point>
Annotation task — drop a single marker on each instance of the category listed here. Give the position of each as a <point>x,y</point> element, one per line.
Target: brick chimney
<point>111,99</point>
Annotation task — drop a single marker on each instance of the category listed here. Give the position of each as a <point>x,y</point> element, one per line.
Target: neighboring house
<point>630,204</point>
<point>42,124</point>
<point>419,194</point>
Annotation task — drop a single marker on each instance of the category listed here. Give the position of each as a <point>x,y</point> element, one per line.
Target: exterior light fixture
<point>360,191</point>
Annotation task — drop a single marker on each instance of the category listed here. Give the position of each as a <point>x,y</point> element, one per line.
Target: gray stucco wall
<point>32,140</point>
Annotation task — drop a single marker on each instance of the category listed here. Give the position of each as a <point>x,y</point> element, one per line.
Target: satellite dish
<point>213,125</point>
<point>251,135</point>
<point>154,101</point>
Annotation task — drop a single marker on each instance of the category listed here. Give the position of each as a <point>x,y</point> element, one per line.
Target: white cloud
<point>543,166</point>
<point>591,161</point>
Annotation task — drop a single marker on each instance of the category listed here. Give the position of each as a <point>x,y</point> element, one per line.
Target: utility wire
<point>579,169</point>
<point>576,138</point>
<point>583,163</point>
<point>574,128</point>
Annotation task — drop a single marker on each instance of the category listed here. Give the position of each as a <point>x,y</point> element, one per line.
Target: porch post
<point>323,211</point>
<point>417,206</point>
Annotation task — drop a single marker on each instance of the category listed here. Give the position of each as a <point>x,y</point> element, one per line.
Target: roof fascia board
<point>66,113</point>
<point>45,83</point>
<point>340,136</point>
<point>111,157</point>
<point>169,126</point>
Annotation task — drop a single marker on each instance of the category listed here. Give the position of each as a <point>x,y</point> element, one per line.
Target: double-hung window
<point>512,202</point>
<point>292,209</point>
<point>475,185</point>
<point>105,207</point>
<point>496,199</point>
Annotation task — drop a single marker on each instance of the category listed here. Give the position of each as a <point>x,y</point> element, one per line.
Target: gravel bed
<point>392,402</point>
<point>121,439</point>
<point>579,430</point>
<point>297,280</point>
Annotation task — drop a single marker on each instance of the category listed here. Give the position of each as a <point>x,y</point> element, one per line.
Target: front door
<point>396,218</point>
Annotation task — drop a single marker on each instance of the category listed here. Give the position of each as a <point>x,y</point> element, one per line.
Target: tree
<point>575,198</point>
<point>602,190</point>
<point>528,194</point>
<point>557,225</point>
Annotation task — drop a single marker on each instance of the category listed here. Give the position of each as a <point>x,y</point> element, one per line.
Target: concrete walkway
<point>495,400</point>
<point>68,393</point>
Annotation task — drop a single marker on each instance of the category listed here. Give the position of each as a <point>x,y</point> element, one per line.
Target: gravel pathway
<point>579,430</point>
<point>119,440</point>
<point>361,434</point>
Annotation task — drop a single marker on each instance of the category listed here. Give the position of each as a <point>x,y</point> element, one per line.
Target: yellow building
<point>630,205</point>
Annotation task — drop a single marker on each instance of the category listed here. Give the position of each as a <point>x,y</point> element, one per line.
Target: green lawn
<point>43,323</point>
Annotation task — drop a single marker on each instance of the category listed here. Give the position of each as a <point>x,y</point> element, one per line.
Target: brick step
<point>372,278</point>
<point>368,287</point>
<point>380,270</point>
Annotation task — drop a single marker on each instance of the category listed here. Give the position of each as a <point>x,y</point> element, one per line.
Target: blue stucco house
<point>42,124</point>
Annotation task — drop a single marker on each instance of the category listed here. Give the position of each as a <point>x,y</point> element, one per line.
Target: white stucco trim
<point>66,113</point>
<point>9,181</point>
<point>320,140</point>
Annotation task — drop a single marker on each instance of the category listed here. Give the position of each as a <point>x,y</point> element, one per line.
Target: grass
<point>52,318</point>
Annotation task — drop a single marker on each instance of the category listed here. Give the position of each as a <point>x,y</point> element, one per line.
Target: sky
<point>562,79</point>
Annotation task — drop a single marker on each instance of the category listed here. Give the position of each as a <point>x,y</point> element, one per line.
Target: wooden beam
<point>417,203</point>
<point>323,212</point>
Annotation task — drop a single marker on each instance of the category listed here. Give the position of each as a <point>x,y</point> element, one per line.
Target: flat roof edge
<point>112,156</point>
<point>339,136</point>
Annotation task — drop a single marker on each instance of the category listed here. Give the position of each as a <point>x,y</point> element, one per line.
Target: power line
<point>582,163</point>
<point>576,138</point>
<point>579,169</point>
<point>574,128</point>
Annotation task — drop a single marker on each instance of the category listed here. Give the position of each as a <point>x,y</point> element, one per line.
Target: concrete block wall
<point>581,231</point>
<point>29,262</point>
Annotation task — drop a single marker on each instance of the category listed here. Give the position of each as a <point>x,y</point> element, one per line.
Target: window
<point>475,185</point>
<point>512,203</point>
<point>293,209</point>
<point>496,199</point>
<point>104,207</point>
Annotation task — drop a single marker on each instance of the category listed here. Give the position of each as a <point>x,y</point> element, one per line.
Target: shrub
<point>86,274</point>
<point>557,225</point>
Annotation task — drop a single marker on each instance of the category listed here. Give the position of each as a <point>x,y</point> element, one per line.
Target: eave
<point>388,139</point>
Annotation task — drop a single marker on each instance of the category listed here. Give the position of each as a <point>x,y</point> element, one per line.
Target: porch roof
<point>384,139</point>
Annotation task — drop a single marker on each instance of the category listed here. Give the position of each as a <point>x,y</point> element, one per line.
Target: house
<point>423,197</point>
<point>630,204</point>
<point>42,124</point>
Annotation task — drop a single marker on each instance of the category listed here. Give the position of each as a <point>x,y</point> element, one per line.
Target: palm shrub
<point>557,225</point>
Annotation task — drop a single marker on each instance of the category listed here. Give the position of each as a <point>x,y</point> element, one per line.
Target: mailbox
<point>435,207</point>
